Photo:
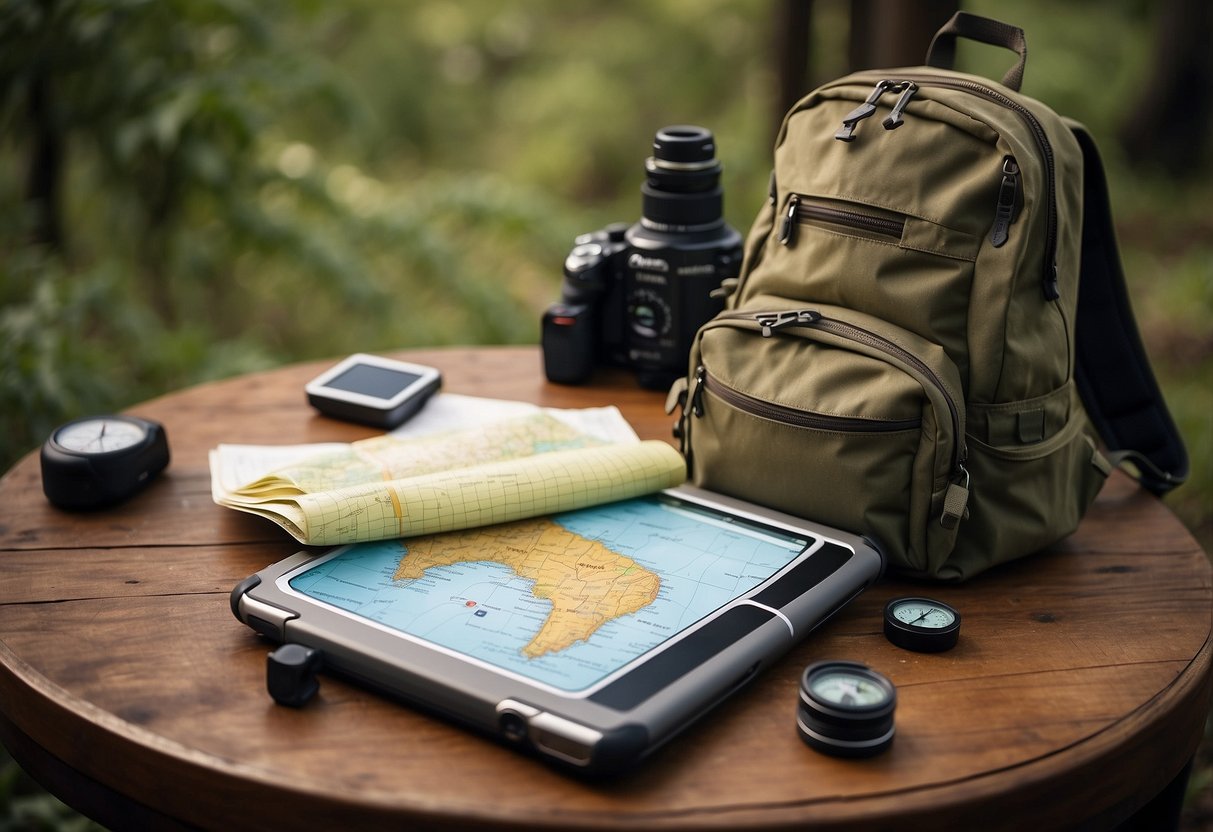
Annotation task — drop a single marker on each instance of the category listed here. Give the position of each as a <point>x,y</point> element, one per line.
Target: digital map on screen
<point>564,600</point>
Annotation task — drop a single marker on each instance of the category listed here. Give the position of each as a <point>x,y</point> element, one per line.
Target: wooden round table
<point>1078,691</point>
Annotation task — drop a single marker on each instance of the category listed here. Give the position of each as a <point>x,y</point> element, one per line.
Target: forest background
<point>191,189</point>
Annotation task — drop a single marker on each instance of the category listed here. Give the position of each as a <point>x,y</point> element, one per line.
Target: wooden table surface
<point>1078,690</point>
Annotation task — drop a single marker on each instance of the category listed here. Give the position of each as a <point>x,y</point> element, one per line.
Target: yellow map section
<point>386,487</point>
<point>387,458</point>
<point>586,582</point>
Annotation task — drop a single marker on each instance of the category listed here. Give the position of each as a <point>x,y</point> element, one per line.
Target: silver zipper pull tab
<point>846,133</point>
<point>771,321</point>
<point>697,391</point>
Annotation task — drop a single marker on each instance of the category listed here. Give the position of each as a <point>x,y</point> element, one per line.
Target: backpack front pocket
<point>834,417</point>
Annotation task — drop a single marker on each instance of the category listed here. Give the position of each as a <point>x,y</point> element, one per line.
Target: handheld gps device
<point>374,391</point>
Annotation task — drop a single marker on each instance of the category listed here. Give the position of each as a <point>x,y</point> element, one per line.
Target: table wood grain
<point>1078,690</point>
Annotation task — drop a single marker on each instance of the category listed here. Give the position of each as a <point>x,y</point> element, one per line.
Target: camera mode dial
<point>649,313</point>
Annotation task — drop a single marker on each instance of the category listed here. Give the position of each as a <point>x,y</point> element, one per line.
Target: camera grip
<point>567,338</point>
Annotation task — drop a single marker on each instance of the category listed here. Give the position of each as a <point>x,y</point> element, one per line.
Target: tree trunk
<point>888,33</point>
<point>44,177</point>
<point>792,19</point>
<point>884,33</point>
<point>1170,123</point>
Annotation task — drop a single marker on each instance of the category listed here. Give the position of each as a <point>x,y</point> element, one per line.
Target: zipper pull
<point>894,119</point>
<point>1051,285</point>
<point>1008,193</point>
<point>697,391</point>
<point>788,227</point>
<point>955,500</point>
<point>772,321</point>
<point>846,133</point>
<point>726,289</point>
<point>677,398</point>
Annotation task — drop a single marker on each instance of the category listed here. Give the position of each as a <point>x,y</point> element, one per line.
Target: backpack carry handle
<point>942,51</point>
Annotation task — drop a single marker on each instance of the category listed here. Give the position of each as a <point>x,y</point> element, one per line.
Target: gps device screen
<point>373,390</point>
<point>369,380</point>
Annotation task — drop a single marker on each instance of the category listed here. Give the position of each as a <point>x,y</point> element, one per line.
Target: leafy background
<point>221,186</point>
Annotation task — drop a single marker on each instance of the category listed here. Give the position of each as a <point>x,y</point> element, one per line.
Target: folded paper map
<point>401,486</point>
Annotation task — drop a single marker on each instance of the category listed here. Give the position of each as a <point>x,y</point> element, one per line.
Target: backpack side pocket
<point>1033,493</point>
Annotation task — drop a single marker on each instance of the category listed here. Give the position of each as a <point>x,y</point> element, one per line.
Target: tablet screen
<point>564,601</point>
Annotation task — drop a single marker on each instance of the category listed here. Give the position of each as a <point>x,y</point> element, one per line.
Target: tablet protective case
<point>583,702</point>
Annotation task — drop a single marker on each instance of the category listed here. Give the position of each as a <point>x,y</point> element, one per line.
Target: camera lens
<point>684,147</point>
<point>682,190</point>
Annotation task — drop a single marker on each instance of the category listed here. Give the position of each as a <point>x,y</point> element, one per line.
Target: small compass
<point>846,709</point>
<point>101,460</point>
<point>921,625</point>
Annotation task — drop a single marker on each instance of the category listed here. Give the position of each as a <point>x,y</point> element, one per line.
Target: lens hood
<point>684,147</point>
<point>681,192</point>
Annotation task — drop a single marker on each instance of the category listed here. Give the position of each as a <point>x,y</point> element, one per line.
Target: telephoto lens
<point>682,191</point>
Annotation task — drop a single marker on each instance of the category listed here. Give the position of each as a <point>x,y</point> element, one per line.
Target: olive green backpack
<point>906,354</point>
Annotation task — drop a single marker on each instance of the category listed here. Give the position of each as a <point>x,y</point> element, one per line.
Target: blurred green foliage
<point>195,188</point>
<point>191,189</point>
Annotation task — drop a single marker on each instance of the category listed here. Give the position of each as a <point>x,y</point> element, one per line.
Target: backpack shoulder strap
<point>1112,371</point>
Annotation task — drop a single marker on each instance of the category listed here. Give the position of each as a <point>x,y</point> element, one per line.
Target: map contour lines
<point>587,583</point>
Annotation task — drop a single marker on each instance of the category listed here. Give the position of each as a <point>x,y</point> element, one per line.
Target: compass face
<point>921,624</point>
<point>847,689</point>
<point>98,461</point>
<point>99,436</point>
<point>923,614</point>
<point>845,709</point>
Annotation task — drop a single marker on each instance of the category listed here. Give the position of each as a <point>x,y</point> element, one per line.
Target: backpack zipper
<point>1049,278</point>
<point>800,211</point>
<point>894,119</point>
<point>846,133</point>
<point>956,496</point>
<point>771,322</point>
<point>787,415</point>
<point>1008,194</point>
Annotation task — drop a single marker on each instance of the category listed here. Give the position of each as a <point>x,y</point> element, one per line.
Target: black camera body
<point>634,296</point>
